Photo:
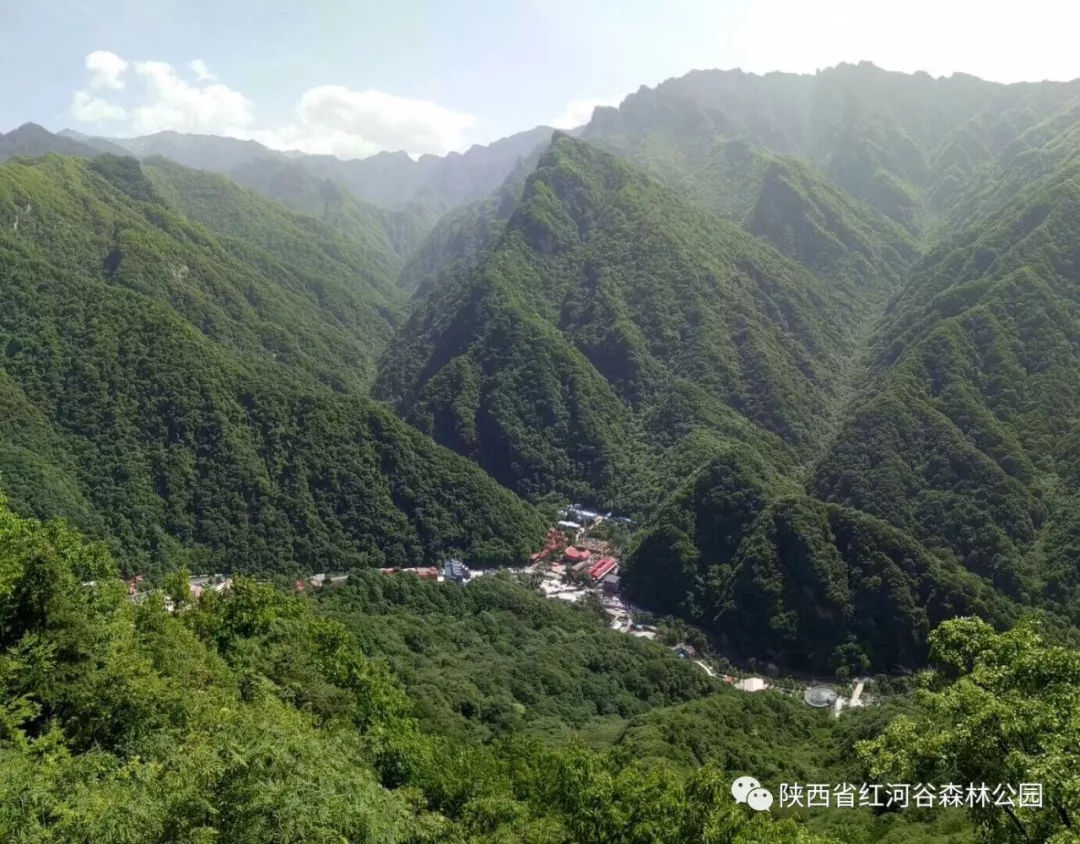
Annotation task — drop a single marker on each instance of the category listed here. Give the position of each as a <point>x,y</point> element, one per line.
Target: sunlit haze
<point>429,77</point>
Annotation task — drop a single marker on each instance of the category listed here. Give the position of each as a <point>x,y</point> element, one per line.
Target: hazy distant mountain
<point>298,189</point>
<point>901,143</point>
<point>393,180</point>
<point>31,139</point>
<point>390,180</point>
<point>202,152</point>
<point>99,144</point>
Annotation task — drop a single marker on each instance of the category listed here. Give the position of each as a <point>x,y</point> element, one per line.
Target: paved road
<point>855,694</point>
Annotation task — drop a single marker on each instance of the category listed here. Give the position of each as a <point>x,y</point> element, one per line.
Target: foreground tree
<point>1003,710</point>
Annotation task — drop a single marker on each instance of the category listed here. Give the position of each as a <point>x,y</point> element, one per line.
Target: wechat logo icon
<point>749,791</point>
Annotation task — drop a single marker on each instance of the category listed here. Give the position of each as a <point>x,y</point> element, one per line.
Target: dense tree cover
<point>959,430</point>
<point>174,407</point>
<point>963,434</point>
<point>496,657</point>
<point>960,434</point>
<point>360,257</point>
<point>327,200</point>
<point>790,579</point>
<point>345,272</point>
<point>324,315</point>
<point>952,436</point>
<point>585,332</point>
<point>780,198</point>
<point>611,319</point>
<point>825,230</point>
<point>1000,708</point>
<point>247,718</point>
<point>183,370</point>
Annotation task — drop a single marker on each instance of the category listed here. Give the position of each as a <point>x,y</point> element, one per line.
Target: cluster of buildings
<point>453,570</point>
<point>601,568</point>
<point>568,548</point>
<point>576,519</point>
<point>554,543</point>
<point>573,563</point>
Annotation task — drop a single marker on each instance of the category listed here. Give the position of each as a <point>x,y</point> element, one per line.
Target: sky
<point>431,76</point>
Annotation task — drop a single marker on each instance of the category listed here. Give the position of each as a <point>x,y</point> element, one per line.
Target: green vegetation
<point>958,430</point>
<point>1001,709</point>
<point>356,254</point>
<point>963,435</point>
<point>906,145</point>
<point>614,333</point>
<point>790,579</point>
<point>248,718</point>
<point>817,335</point>
<point>258,716</point>
<point>494,657</point>
<point>31,139</point>
<point>174,407</point>
<point>376,229</point>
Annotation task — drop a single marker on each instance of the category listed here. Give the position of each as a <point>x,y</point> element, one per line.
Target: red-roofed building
<point>603,567</point>
<point>574,554</point>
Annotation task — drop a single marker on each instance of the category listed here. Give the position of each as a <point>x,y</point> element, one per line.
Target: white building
<point>750,684</point>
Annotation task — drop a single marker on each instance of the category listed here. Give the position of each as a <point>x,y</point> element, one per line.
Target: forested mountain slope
<point>297,189</point>
<point>611,320</point>
<point>965,433</point>
<point>959,435</point>
<point>361,261</point>
<point>194,400</point>
<point>828,360</point>
<point>253,717</point>
<point>782,576</point>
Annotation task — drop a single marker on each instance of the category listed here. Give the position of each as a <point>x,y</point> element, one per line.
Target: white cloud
<point>90,109</point>
<point>106,69</point>
<point>201,71</point>
<point>329,119</point>
<point>336,117</point>
<point>170,102</point>
<point>579,112</point>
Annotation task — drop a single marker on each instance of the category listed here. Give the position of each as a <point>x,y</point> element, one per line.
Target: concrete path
<point>708,670</point>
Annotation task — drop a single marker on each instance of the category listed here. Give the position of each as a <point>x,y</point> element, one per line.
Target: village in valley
<point>578,560</point>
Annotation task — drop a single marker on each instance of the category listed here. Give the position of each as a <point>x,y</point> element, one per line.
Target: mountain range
<point>818,337</point>
<point>816,334</point>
